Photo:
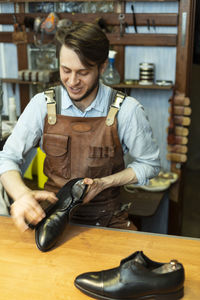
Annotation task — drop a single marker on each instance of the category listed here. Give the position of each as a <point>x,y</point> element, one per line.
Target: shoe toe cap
<point>44,239</point>
<point>91,282</point>
<point>47,234</point>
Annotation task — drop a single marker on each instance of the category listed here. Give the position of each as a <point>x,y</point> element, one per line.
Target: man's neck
<point>82,105</point>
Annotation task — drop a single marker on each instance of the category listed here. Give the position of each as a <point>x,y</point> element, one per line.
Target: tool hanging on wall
<point>148,24</point>
<point>103,25</point>
<point>134,18</point>
<point>154,25</point>
<point>19,35</point>
<point>49,24</point>
<point>121,24</point>
<point>62,26</point>
<point>44,26</point>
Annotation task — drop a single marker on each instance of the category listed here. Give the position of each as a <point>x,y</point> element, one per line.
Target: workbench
<point>28,273</point>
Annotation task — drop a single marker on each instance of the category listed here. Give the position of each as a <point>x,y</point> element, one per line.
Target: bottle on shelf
<point>111,75</point>
<point>12,110</point>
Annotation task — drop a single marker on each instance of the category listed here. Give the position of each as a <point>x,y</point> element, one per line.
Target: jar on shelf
<point>146,75</point>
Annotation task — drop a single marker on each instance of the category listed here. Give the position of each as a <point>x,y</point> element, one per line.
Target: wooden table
<point>28,274</point>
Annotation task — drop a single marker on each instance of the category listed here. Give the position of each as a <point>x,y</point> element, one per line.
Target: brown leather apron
<point>84,147</point>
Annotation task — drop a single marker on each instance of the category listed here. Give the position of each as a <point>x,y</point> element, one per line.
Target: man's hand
<point>95,186</point>
<point>26,208</point>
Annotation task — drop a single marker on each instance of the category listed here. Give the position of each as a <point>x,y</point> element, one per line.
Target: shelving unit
<point>138,86</point>
<point>117,40</point>
<point>119,86</point>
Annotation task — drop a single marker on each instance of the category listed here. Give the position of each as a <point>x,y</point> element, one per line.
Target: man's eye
<point>84,73</point>
<point>66,70</point>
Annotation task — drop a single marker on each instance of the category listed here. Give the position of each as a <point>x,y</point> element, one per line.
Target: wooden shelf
<point>131,39</point>
<point>139,86</point>
<point>18,81</point>
<point>120,86</point>
<point>23,1</point>
<point>160,19</point>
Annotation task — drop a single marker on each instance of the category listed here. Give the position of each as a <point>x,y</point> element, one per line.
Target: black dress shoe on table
<point>49,230</point>
<point>137,277</point>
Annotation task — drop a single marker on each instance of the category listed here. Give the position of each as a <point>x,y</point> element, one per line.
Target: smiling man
<point>88,137</point>
<point>81,82</point>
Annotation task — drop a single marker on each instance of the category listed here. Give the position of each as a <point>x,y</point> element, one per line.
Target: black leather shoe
<point>137,277</point>
<point>49,230</point>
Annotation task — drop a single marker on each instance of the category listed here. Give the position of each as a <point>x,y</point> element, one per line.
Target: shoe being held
<point>49,230</point>
<point>137,277</point>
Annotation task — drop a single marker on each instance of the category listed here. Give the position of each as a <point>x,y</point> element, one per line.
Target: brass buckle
<point>118,100</point>
<point>50,96</point>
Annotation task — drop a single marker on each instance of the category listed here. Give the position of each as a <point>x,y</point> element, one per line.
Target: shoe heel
<point>172,296</point>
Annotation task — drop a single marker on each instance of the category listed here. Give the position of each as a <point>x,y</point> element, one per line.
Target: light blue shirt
<point>134,131</point>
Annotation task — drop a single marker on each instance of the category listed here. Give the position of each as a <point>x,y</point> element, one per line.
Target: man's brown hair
<point>87,40</point>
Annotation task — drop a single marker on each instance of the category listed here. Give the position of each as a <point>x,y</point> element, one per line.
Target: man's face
<point>80,82</point>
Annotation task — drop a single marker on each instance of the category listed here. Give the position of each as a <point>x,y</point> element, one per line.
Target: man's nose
<point>73,79</point>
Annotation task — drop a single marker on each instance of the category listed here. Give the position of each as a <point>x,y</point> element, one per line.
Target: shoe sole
<point>172,296</point>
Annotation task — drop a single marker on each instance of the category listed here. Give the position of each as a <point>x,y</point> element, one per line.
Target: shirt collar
<point>66,101</point>
<point>96,103</point>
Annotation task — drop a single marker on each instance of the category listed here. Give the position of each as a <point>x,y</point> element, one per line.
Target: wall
<point>8,63</point>
<point>155,101</point>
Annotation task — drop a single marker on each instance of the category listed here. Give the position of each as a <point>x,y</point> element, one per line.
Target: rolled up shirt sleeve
<point>26,135</point>
<point>137,140</point>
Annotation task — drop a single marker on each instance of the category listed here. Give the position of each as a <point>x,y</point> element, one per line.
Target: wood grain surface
<point>26,273</point>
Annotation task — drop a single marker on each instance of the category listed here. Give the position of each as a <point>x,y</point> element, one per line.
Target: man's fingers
<point>25,213</point>
<point>86,200</point>
<point>19,221</point>
<point>35,215</point>
<point>26,209</point>
<point>88,181</point>
<point>93,189</point>
<point>21,224</point>
<point>45,195</point>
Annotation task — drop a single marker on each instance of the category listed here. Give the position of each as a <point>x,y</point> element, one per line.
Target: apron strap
<point>114,108</point>
<point>53,99</point>
<point>51,105</point>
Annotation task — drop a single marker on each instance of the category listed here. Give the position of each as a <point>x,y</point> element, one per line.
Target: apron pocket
<point>58,155</point>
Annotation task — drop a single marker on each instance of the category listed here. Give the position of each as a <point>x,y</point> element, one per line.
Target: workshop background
<point>155,101</point>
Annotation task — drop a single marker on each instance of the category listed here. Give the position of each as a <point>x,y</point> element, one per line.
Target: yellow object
<point>42,178</point>
<point>36,168</point>
<point>29,171</point>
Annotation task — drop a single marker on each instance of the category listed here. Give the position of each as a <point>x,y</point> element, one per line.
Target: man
<point>84,140</point>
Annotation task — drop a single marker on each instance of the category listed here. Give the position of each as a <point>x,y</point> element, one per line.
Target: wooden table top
<point>27,273</point>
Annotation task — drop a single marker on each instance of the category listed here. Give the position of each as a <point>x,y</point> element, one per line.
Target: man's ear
<point>103,66</point>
